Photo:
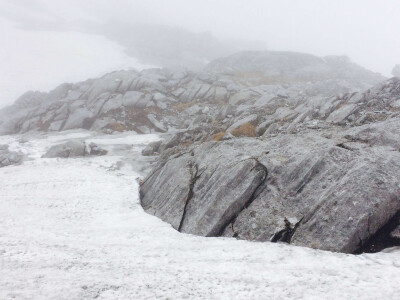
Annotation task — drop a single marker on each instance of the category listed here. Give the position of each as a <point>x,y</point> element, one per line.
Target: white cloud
<point>365,30</point>
<point>40,60</point>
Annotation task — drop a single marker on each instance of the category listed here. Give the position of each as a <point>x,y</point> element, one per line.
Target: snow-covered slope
<point>74,229</point>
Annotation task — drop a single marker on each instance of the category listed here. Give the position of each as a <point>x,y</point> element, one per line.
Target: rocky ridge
<point>330,182</point>
<point>264,146</point>
<point>162,100</point>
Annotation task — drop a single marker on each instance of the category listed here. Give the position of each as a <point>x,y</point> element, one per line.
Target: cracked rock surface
<point>326,179</point>
<point>304,189</point>
<point>321,168</point>
<point>257,87</point>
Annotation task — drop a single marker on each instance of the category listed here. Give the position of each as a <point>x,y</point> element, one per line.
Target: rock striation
<point>262,146</point>
<point>161,100</point>
<point>330,182</point>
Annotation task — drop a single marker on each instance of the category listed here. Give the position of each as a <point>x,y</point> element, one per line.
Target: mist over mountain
<point>355,28</point>
<point>213,149</point>
<point>171,46</point>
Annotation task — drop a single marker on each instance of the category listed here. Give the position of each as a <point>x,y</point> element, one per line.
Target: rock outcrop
<point>327,180</point>
<point>74,149</point>
<point>160,100</point>
<point>264,146</point>
<point>322,75</point>
<point>8,157</point>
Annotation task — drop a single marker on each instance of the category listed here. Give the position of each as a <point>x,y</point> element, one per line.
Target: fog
<point>132,33</point>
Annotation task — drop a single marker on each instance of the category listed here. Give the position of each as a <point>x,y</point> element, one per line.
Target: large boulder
<point>309,190</point>
<point>152,148</point>
<point>8,157</point>
<point>74,149</point>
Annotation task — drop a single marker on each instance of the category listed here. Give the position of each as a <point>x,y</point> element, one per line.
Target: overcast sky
<point>368,31</point>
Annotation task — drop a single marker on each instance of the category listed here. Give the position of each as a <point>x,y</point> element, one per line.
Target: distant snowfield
<point>74,229</point>
<point>41,60</point>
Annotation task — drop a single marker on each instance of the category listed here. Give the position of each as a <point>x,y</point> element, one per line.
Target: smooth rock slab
<point>305,189</point>
<point>201,199</point>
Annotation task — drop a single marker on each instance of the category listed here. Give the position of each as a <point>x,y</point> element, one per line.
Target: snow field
<point>74,229</point>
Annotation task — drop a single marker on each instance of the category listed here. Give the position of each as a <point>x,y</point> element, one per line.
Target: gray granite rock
<point>74,149</point>
<point>135,99</point>
<point>340,114</point>
<point>8,157</point>
<point>322,173</point>
<point>277,86</point>
<point>307,190</point>
<point>152,148</point>
<point>68,149</point>
<point>248,119</point>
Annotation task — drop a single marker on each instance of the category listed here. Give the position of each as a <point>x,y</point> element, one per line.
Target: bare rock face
<point>328,189</point>
<point>202,199</point>
<point>8,157</point>
<point>321,169</point>
<point>263,86</point>
<point>152,149</point>
<point>331,173</point>
<point>74,149</point>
